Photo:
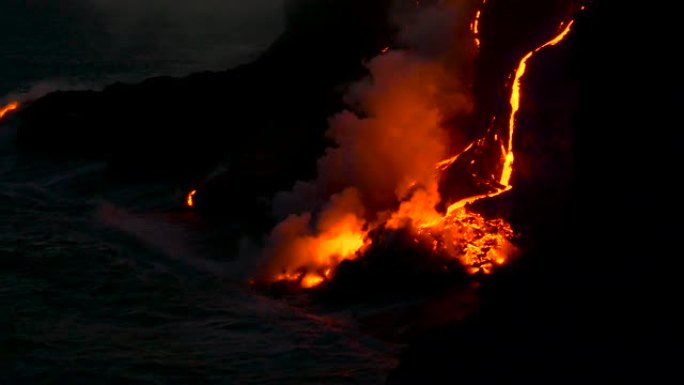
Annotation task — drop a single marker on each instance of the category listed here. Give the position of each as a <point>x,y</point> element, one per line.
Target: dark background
<point>594,300</point>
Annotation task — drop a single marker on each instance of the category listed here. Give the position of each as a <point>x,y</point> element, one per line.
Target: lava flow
<point>481,244</point>
<point>8,108</point>
<point>190,199</point>
<point>475,25</point>
<point>515,101</point>
<point>385,175</point>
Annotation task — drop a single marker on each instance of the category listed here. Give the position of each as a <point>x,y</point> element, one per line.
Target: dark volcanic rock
<point>593,300</point>
<point>395,267</point>
<point>274,109</point>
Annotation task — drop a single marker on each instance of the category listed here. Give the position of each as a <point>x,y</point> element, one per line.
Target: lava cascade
<point>309,257</point>
<point>384,174</point>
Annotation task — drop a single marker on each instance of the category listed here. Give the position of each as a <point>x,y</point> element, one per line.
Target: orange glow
<point>6,109</point>
<point>385,50</point>
<point>515,106</point>
<point>344,244</point>
<point>313,250</point>
<point>466,201</point>
<point>515,102</point>
<point>475,24</point>
<point>311,280</point>
<point>558,38</point>
<point>307,257</point>
<point>190,201</point>
<point>327,250</point>
<point>443,165</point>
<point>418,212</point>
<point>478,243</point>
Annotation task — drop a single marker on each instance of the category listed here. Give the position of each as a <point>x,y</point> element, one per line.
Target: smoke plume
<point>387,143</point>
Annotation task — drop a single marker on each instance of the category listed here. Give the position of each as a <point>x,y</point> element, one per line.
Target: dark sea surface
<point>108,283</point>
<point>58,44</point>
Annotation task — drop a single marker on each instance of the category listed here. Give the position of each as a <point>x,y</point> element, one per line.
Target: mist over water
<point>101,282</point>
<point>66,44</point>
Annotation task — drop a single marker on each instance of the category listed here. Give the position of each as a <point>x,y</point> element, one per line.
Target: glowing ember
<point>308,251</point>
<point>475,25</point>
<point>478,243</point>
<point>6,109</point>
<point>190,200</point>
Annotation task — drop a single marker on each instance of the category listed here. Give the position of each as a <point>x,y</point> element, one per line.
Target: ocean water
<point>105,283</point>
<point>108,285</point>
<point>58,44</point>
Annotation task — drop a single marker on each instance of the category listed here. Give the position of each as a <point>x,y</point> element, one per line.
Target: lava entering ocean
<point>385,172</point>
<point>404,121</point>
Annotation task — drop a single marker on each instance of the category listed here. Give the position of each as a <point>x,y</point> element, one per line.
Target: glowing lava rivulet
<point>307,246</point>
<point>8,108</point>
<point>190,199</point>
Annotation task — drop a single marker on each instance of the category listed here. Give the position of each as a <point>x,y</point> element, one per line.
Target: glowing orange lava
<point>515,103</point>
<point>316,256</point>
<point>443,165</point>
<point>311,280</point>
<point>475,25</point>
<point>6,109</point>
<point>480,244</point>
<point>190,200</point>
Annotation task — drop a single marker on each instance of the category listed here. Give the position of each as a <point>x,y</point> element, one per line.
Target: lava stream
<point>478,243</point>
<point>475,25</point>
<point>190,200</point>
<point>515,102</point>
<point>306,247</point>
<point>8,108</point>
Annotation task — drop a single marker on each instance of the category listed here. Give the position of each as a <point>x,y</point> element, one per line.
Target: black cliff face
<point>593,298</point>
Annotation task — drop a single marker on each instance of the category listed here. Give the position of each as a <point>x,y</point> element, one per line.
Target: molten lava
<point>481,244</point>
<point>8,108</point>
<point>190,200</point>
<point>475,25</point>
<point>478,243</point>
<point>515,102</point>
<point>310,257</point>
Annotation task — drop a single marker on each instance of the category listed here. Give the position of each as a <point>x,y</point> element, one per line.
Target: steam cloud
<point>387,145</point>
